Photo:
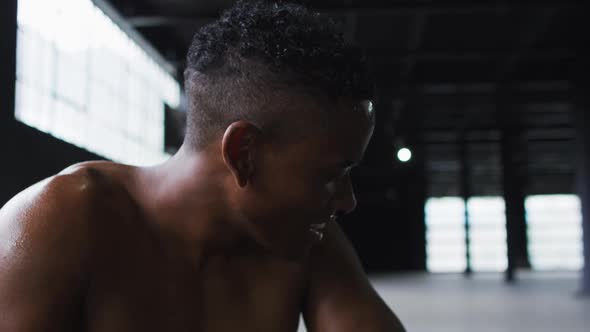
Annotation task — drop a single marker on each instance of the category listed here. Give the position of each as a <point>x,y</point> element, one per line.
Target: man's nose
<point>345,200</point>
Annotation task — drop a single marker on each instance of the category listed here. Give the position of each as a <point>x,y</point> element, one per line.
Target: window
<point>554,227</point>
<point>445,234</point>
<point>554,231</point>
<point>82,79</point>
<point>487,234</point>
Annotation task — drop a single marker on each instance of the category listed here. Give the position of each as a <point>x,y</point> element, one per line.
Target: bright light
<point>554,229</point>
<point>445,234</point>
<point>404,155</point>
<point>84,80</point>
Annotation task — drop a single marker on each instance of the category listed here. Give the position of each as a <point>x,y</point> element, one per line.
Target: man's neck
<point>184,200</point>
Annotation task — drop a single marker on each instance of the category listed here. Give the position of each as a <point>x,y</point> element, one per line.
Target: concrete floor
<point>485,303</point>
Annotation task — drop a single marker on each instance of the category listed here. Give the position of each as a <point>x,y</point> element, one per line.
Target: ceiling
<point>457,81</point>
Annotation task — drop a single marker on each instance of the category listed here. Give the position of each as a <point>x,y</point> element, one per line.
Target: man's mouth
<point>318,229</point>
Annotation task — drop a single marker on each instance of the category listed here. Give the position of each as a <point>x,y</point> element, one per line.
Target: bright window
<point>554,230</point>
<point>82,79</point>
<point>445,235</point>
<point>554,224</point>
<point>487,233</point>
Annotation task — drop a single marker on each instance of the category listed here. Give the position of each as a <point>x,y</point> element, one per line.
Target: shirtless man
<point>236,232</point>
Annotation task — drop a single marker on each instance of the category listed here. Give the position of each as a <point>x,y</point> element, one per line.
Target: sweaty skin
<point>105,247</point>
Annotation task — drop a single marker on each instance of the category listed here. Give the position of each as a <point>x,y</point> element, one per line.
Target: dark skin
<point>215,240</point>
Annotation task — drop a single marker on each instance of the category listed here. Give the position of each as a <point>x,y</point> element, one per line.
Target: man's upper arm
<point>340,297</point>
<point>43,243</point>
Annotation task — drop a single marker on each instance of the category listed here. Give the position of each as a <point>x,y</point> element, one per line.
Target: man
<point>237,231</point>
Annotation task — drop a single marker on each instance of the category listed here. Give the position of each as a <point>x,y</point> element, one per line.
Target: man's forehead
<point>366,107</point>
<point>300,101</point>
<point>346,136</point>
<point>327,119</point>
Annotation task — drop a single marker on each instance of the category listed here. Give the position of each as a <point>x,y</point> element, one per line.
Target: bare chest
<point>138,294</point>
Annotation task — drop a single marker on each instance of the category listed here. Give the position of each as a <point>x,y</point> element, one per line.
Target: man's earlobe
<point>238,148</point>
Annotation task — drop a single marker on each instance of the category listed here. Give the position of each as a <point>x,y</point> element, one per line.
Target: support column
<point>582,119</point>
<point>8,137</point>
<point>466,195</point>
<point>8,63</point>
<point>513,179</point>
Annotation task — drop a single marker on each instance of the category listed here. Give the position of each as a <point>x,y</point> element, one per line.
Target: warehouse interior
<point>473,198</point>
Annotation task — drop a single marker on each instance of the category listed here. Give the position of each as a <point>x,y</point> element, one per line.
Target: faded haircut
<point>258,49</point>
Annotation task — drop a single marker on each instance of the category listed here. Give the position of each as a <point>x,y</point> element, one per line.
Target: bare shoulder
<point>63,206</point>
<point>45,240</point>
<point>62,197</point>
<point>61,203</point>
<point>75,193</point>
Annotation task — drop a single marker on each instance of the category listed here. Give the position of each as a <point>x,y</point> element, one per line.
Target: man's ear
<point>238,146</point>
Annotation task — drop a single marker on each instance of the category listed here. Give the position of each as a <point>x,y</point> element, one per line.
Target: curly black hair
<point>259,45</point>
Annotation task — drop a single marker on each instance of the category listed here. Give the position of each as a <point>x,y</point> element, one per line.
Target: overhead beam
<point>528,37</point>
<point>124,25</point>
<point>457,7</point>
<point>493,140</point>
<point>162,21</point>
<point>492,130</point>
<point>387,9</point>
<point>404,56</point>
<point>450,88</point>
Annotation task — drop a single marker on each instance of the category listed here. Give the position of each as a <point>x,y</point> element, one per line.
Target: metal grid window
<point>84,80</point>
<point>445,235</point>
<point>446,247</point>
<point>487,233</point>
<point>554,229</point>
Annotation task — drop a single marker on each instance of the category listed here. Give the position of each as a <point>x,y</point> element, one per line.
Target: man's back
<point>77,254</point>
